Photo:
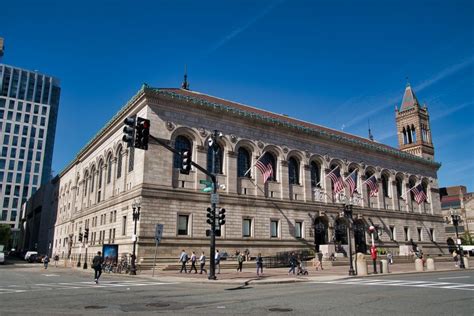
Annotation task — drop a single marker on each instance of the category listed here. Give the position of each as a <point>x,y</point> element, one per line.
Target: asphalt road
<point>29,289</point>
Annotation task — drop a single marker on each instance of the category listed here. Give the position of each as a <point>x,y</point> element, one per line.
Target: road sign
<point>158,232</point>
<point>215,198</point>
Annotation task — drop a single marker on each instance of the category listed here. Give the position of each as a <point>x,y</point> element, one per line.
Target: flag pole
<point>414,186</point>
<point>253,165</point>
<point>350,174</point>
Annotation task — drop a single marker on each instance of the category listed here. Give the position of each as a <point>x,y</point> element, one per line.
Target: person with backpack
<point>240,260</point>
<point>193,263</point>
<point>97,266</point>
<point>259,261</point>
<point>183,258</point>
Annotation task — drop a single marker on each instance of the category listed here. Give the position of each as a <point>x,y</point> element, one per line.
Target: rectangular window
<point>432,236</point>
<point>392,232</point>
<point>299,229</point>
<point>247,227</point>
<point>419,234</point>
<point>274,228</point>
<point>407,233</point>
<point>124,225</point>
<point>183,221</point>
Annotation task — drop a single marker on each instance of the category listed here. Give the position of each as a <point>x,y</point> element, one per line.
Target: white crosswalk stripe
<point>15,288</point>
<point>406,283</point>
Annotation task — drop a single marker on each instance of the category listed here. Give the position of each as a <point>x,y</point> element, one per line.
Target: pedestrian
<point>97,266</point>
<point>319,264</point>
<point>202,260</point>
<point>46,261</point>
<point>183,258</point>
<point>259,261</point>
<point>217,259</point>
<point>247,254</point>
<point>293,263</point>
<point>56,259</point>
<point>193,263</point>
<point>240,260</point>
<point>390,257</point>
<point>455,258</point>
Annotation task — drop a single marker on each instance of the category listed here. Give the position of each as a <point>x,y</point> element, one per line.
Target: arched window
<point>385,185</point>
<point>243,162</point>
<point>268,158</point>
<point>315,174</point>
<point>218,159</point>
<point>109,168</point>
<point>92,178</point>
<point>86,178</point>
<point>119,163</point>
<point>101,173</point>
<point>293,171</point>
<point>181,143</point>
<point>405,139</point>
<point>409,135</point>
<point>413,133</point>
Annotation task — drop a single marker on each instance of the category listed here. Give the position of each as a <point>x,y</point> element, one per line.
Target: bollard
<point>466,262</point>
<point>419,265</point>
<point>384,266</point>
<point>430,265</point>
<point>361,265</point>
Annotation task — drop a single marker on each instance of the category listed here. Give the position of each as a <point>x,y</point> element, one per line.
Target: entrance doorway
<point>451,245</point>
<point>359,236</point>
<point>320,232</point>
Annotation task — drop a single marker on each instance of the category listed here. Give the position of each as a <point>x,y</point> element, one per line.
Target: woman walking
<point>259,264</point>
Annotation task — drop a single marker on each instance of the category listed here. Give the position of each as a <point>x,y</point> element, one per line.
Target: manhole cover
<point>158,305</point>
<point>95,307</point>
<point>278,309</point>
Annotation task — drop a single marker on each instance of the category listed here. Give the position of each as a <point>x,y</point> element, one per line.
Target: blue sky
<point>334,63</point>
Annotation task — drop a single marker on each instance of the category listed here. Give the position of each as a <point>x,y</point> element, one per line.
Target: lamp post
<point>348,214</point>
<point>373,249</point>
<point>136,217</point>
<point>456,219</point>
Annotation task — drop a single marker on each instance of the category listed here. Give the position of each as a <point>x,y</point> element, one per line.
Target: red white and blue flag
<point>265,166</point>
<point>372,184</point>
<point>419,194</point>
<point>351,181</point>
<point>337,181</point>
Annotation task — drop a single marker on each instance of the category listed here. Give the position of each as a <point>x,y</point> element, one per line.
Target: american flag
<point>336,179</point>
<point>351,180</point>
<point>265,166</point>
<point>419,193</point>
<point>372,184</point>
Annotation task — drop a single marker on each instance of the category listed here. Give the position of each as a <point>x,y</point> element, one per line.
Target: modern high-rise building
<point>28,114</point>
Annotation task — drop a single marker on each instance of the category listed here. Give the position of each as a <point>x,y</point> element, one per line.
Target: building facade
<point>28,113</point>
<point>295,209</point>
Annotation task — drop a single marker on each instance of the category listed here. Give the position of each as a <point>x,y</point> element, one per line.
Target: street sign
<point>208,185</point>
<point>158,232</point>
<point>215,198</point>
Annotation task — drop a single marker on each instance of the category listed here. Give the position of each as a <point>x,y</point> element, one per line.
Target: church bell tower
<point>413,127</point>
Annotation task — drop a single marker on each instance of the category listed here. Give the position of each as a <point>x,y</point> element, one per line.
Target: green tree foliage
<point>467,238</point>
<point>5,234</point>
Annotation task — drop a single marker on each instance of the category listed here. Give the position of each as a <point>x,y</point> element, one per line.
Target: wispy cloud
<point>242,28</point>
<point>451,110</point>
<point>382,104</point>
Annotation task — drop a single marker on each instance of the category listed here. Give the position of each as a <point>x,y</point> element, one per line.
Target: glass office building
<point>28,113</point>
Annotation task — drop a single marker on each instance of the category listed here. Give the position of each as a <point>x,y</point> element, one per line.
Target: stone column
<point>395,200</point>
<point>408,199</point>
<point>328,197</point>
<point>365,198</point>
<point>284,181</point>
<point>232,176</point>
<point>380,197</point>
<point>113,171</point>
<point>308,193</point>
<point>125,170</point>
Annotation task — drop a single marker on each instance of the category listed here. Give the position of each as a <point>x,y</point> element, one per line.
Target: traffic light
<point>222,216</point>
<point>80,237</point>
<point>142,133</point>
<point>210,216</point>
<point>86,234</point>
<point>186,159</point>
<point>129,131</point>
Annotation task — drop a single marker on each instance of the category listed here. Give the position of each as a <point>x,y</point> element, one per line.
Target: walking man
<point>202,261</point>
<point>240,260</point>
<point>319,265</point>
<point>46,261</point>
<point>97,266</point>
<point>293,263</point>
<point>259,264</point>
<point>56,259</point>
<point>193,263</point>
<point>218,261</point>
<point>183,258</point>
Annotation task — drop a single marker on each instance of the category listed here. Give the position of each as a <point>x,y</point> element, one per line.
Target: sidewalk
<point>280,275</point>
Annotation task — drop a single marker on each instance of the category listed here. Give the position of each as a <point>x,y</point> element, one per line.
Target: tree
<point>467,238</point>
<point>5,234</point>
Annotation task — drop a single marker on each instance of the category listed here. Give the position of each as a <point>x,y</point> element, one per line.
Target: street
<point>27,289</point>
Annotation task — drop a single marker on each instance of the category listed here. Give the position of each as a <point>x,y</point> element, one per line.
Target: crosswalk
<point>9,289</point>
<point>406,283</point>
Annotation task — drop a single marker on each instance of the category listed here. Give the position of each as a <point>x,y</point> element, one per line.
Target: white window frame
<point>301,236</point>
<point>277,221</point>
<point>251,221</point>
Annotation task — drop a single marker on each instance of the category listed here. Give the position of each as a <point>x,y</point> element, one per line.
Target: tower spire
<point>185,84</point>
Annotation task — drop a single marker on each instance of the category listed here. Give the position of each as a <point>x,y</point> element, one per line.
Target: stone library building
<point>297,208</point>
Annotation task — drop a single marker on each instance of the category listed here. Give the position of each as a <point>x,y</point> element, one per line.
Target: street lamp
<point>348,214</point>
<point>373,249</point>
<point>456,219</point>
<point>136,217</point>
